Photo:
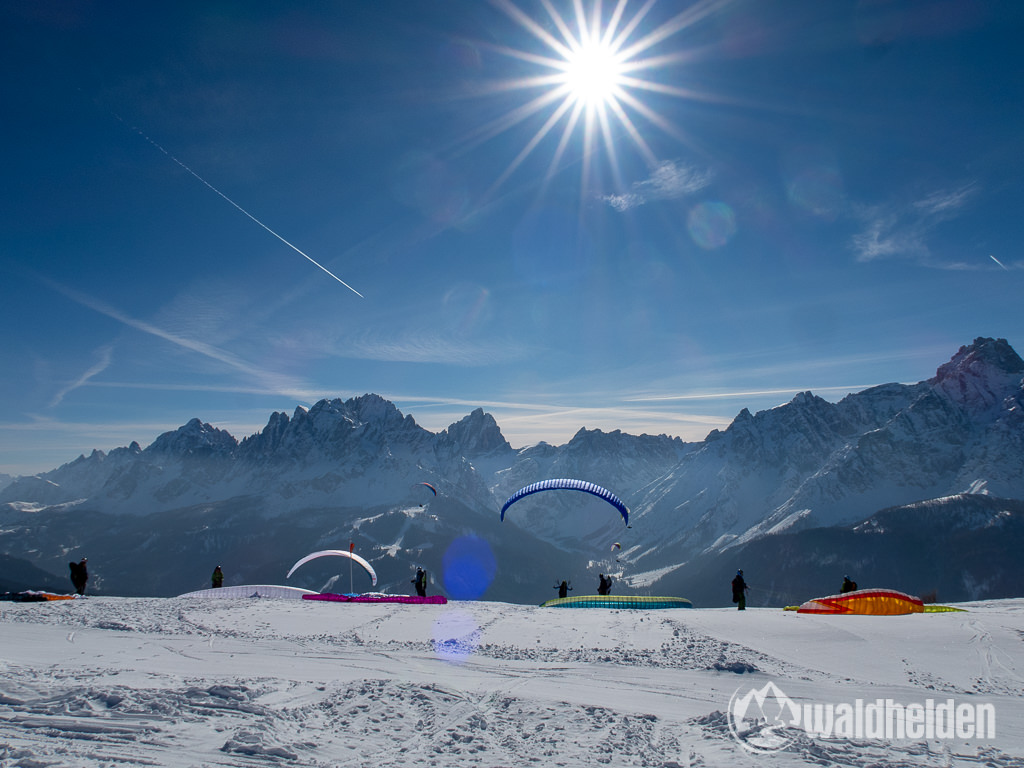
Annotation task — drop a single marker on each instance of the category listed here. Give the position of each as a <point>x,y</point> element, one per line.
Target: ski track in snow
<point>174,682</point>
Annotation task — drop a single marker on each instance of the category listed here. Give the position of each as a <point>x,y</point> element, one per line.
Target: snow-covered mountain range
<point>162,516</point>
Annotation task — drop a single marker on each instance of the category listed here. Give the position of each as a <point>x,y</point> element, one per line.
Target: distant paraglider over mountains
<point>568,485</point>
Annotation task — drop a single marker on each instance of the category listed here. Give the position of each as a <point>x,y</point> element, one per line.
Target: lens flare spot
<point>469,568</point>
<point>456,636</point>
<point>466,307</point>
<point>814,182</point>
<point>711,224</point>
<point>817,191</point>
<point>427,184</point>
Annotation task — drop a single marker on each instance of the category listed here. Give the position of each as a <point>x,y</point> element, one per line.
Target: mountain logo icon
<point>763,719</point>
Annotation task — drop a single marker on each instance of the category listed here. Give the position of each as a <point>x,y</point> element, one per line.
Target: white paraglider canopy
<point>337,553</point>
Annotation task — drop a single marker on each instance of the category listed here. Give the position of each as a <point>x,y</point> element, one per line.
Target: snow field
<point>179,682</point>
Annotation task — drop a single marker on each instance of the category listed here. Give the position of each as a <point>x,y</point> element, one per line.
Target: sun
<point>591,76</point>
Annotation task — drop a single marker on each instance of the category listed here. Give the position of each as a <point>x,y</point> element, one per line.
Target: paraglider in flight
<point>336,553</point>
<point>615,548</point>
<point>432,488</point>
<point>568,485</point>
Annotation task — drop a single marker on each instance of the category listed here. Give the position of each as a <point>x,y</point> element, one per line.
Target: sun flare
<point>589,79</point>
<point>593,74</point>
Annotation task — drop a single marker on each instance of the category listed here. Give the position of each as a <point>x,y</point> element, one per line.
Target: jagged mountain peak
<point>803,464</point>
<point>332,428</point>
<point>804,407</point>
<point>365,409</point>
<point>94,457</point>
<point>584,435</point>
<point>807,398</point>
<point>475,435</point>
<point>981,356</point>
<point>264,443</point>
<point>598,441</point>
<point>194,438</point>
<point>981,375</point>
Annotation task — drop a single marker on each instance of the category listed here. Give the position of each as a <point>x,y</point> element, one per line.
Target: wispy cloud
<point>298,395</point>
<point>739,394</point>
<point>945,202</point>
<point>903,231</point>
<point>276,382</point>
<point>61,427</point>
<point>525,423</point>
<point>430,348</point>
<point>42,443</point>
<point>558,426</point>
<point>886,234</point>
<point>406,346</point>
<point>687,407</point>
<point>668,181</point>
<point>105,355</point>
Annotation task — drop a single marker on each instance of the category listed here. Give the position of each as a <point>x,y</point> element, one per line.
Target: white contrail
<point>282,385</point>
<point>105,354</point>
<point>997,261</point>
<point>240,208</point>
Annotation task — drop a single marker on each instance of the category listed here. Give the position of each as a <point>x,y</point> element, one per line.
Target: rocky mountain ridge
<point>803,465</point>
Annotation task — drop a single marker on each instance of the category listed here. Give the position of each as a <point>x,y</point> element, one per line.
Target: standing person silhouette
<point>421,582</point>
<point>739,591</point>
<point>79,575</point>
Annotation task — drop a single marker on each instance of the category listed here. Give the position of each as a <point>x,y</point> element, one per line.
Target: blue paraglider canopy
<point>568,485</point>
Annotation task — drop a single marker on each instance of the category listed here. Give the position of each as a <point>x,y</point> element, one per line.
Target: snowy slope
<point>178,682</point>
<point>956,548</point>
<point>813,463</point>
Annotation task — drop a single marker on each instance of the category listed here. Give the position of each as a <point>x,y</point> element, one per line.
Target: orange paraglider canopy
<point>870,602</point>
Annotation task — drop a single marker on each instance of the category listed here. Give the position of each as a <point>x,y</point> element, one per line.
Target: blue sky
<point>754,199</point>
